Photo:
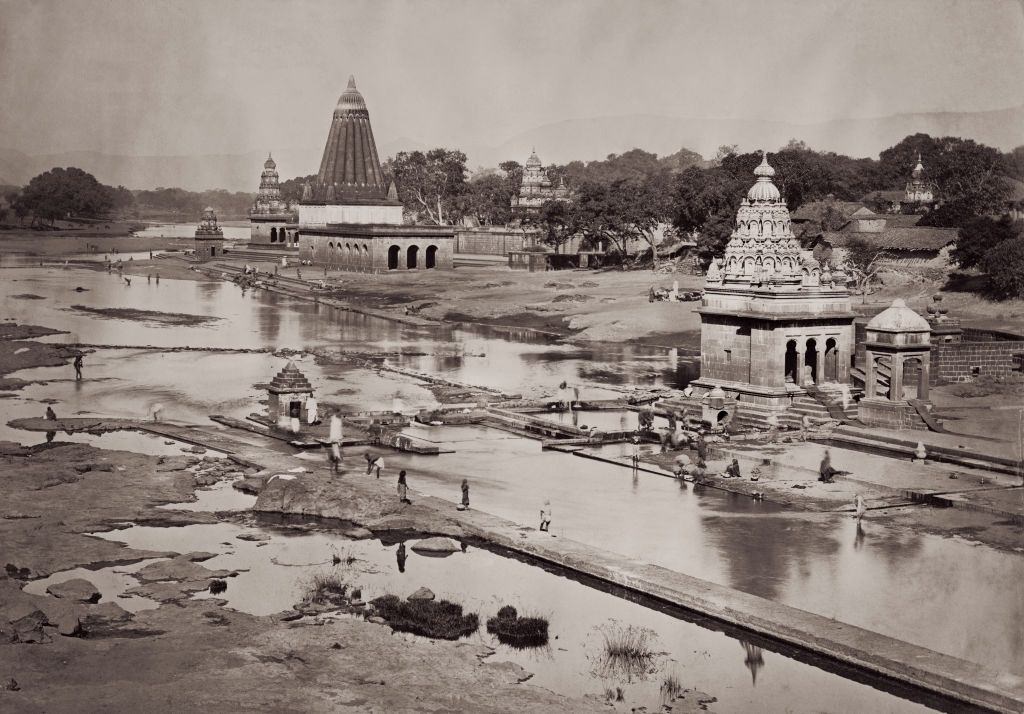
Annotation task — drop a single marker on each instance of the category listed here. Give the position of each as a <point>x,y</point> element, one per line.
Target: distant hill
<point>559,142</point>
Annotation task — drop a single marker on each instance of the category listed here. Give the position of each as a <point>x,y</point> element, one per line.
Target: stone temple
<point>209,237</point>
<point>774,324</point>
<point>273,223</point>
<point>536,188</point>
<point>349,218</point>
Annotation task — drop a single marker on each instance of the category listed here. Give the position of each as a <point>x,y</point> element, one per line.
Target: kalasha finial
<point>764,169</point>
<point>351,81</point>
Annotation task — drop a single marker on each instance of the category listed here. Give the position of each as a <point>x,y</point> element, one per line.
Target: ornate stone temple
<point>349,218</point>
<point>774,324</point>
<point>273,223</point>
<point>209,237</point>
<point>536,188</point>
<point>919,190</point>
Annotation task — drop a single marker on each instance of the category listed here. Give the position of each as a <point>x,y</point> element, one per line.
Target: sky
<point>186,77</point>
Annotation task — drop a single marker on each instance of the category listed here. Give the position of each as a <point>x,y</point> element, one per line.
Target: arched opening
<point>791,363</point>
<point>431,257</point>
<point>412,258</point>
<point>393,252</point>
<point>831,360</point>
<point>883,376</point>
<point>811,362</point>
<point>912,378</point>
<point>273,235</point>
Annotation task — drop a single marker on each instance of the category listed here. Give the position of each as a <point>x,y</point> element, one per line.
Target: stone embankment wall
<point>489,240</point>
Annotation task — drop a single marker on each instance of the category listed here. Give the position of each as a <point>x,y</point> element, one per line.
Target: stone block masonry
<point>965,361</point>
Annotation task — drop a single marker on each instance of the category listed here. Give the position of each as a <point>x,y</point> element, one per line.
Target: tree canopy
<point>430,183</point>
<point>65,192</point>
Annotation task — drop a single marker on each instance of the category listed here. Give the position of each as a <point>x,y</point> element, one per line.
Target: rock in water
<point>78,589</point>
<point>436,545</point>
<point>422,594</point>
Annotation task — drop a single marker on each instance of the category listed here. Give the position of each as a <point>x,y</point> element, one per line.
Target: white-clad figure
<point>312,410</point>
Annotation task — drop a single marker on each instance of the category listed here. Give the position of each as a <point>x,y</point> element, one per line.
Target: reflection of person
<point>400,557</point>
<point>157,409</point>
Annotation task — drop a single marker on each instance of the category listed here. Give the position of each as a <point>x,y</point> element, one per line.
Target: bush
<point>438,619</point>
<point>1005,267</point>
<point>671,687</point>
<point>518,632</point>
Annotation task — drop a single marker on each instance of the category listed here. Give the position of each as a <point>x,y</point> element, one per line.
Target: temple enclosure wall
<point>487,240</point>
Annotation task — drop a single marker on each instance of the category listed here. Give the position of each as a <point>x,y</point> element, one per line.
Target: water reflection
<point>754,660</point>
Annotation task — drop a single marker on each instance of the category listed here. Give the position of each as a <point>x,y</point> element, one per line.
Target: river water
<point>917,587</point>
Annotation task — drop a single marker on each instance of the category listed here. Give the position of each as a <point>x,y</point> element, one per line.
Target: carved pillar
<point>896,380</point>
<point>819,361</point>
<point>798,378</point>
<point>869,374</point>
<point>922,384</point>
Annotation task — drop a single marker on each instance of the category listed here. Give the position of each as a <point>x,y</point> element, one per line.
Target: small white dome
<point>898,318</point>
<point>764,189</point>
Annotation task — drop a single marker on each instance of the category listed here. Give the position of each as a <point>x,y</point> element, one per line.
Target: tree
<point>726,150</point>
<point>1005,267</point>
<point>682,159</point>
<point>513,171</point>
<point>487,198</point>
<point>558,221</point>
<point>64,192</point>
<point>979,235</point>
<point>291,190</point>
<point>863,260</point>
<point>429,184</point>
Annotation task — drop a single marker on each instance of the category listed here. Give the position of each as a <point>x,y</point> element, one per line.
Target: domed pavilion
<point>774,323</point>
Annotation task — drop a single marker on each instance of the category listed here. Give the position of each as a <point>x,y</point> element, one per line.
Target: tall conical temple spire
<point>350,164</point>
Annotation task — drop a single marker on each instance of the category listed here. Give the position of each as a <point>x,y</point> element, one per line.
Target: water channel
<point>918,587</point>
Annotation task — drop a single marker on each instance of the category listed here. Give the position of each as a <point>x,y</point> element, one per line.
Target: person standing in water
<point>860,508</point>
<point>78,367</point>
<point>545,516</point>
<point>403,488</point>
<point>465,494</point>
<point>334,437</point>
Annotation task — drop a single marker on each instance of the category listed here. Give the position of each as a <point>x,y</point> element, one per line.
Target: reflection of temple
<point>349,218</point>
<point>773,322</point>
<point>536,188</point>
<point>273,223</point>
<point>209,237</point>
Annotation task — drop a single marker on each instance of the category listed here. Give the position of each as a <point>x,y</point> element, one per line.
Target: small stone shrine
<point>209,237</point>
<point>287,396</point>
<point>896,369</point>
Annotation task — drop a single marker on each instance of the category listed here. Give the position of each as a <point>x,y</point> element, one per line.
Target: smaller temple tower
<point>209,237</point>
<point>273,223</point>
<point>919,191</point>
<point>536,188</point>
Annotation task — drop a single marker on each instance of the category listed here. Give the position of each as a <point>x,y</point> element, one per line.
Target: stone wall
<point>377,254</point>
<point>490,240</point>
<point>963,361</point>
<point>273,234</point>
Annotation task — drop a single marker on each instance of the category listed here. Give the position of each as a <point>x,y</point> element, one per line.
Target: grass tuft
<point>671,687</point>
<point>326,588</point>
<point>518,632</point>
<point>627,651</point>
<point>437,619</point>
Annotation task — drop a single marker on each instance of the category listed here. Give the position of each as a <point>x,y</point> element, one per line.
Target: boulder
<point>69,626</point>
<point>78,589</point>
<point>358,533</point>
<point>30,628</point>
<point>436,545</point>
<point>422,594</point>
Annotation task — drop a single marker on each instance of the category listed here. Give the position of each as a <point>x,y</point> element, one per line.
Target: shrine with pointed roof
<point>350,218</point>
<point>273,222</point>
<point>209,237</point>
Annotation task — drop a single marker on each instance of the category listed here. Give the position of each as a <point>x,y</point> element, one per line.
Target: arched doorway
<point>412,257</point>
<point>811,362</point>
<point>431,257</point>
<point>393,252</point>
<point>273,235</point>
<point>831,361</point>
<point>790,363</point>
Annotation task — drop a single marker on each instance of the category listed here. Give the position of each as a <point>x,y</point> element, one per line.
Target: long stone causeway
<point>318,494</point>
